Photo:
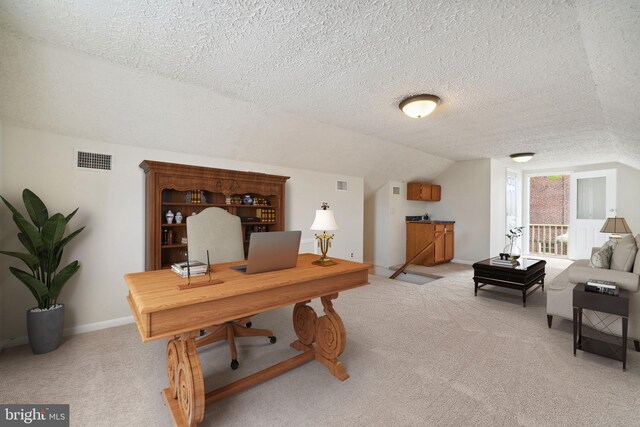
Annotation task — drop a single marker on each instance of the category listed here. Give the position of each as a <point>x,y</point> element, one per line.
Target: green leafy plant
<point>43,239</point>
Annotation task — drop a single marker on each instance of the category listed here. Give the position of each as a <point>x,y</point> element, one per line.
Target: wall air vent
<point>96,161</point>
<point>396,190</point>
<point>342,186</point>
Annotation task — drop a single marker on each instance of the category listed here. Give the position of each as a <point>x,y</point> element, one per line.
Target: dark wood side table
<point>522,277</point>
<point>609,305</point>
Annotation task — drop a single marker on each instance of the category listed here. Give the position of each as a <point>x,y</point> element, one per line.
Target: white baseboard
<point>74,330</point>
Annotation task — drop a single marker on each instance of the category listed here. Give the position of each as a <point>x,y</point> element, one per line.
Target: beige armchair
<point>625,271</point>
<point>220,233</point>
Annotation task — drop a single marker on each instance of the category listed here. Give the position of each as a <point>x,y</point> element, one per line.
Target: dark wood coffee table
<point>528,273</point>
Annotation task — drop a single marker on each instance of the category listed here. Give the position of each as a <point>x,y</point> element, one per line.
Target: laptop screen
<point>274,250</point>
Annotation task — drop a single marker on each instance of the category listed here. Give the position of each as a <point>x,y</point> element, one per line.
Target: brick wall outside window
<point>549,200</point>
<point>549,204</point>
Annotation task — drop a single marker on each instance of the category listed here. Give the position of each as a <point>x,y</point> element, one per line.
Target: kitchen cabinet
<point>421,233</point>
<point>423,191</point>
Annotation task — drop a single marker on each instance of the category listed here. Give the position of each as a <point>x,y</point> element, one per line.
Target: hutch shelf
<point>190,189</point>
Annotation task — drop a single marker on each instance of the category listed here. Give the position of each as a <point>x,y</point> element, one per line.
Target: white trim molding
<point>74,330</point>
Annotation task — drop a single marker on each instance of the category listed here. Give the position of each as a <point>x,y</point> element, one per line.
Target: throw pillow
<point>602,258</point>
<point>624,254</point>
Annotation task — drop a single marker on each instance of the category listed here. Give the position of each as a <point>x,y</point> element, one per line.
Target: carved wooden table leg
<point>326,331</point>
<point>185,394</point>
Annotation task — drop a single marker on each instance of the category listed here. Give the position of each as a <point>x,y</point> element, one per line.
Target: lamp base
<point>325,262</point>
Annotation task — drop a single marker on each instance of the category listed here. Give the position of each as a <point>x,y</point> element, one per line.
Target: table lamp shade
<point>324,221</point>
<point>615,226</point>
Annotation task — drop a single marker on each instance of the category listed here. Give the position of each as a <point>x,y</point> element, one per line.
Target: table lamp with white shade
<point>324,222</point>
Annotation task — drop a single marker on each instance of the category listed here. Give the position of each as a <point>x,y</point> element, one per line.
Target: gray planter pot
<point>45,329</point>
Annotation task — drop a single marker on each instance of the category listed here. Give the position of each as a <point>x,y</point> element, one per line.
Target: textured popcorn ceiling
<point>559,78</point>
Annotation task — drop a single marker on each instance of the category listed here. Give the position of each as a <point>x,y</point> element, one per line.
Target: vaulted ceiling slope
<point>555,77</point>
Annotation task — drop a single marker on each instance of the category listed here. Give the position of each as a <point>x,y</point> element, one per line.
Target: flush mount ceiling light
<point>521,157</point>
<point>419,106</point>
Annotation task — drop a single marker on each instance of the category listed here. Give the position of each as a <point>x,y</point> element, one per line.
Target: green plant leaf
<point>55,262</point>
<point>10,206</point>
<point>67,239</point>
<point>30,231</point>
<point>37,288</point>
<point>35,207</point>
<point>27,243</point>
<point>30,260</point>
<point>61,278</point>
<point>58,249</point>
<point>71,215</point>
<point>52,232</point>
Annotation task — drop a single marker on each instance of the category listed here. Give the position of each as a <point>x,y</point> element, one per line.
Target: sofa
<point>624,269</point>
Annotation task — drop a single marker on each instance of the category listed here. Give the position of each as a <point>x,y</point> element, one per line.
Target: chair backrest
<point>217,231</point>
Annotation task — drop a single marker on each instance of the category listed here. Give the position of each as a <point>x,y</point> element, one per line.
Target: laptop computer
<point>271,251</point>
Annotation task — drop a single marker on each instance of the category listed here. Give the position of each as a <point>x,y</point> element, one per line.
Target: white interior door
<point>593,198</point>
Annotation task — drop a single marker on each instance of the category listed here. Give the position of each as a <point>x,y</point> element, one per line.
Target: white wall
<point>63,91</point>
<point>3,234</point>
<point>112,207</point>
<point>466,199</point>
<point>385,236</point>
<point>497,210</point>
<point>376,240</point>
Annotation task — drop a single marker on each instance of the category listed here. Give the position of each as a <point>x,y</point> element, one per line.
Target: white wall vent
<point>98,161</point>
<point>396,190</point>
<point>342,186</point>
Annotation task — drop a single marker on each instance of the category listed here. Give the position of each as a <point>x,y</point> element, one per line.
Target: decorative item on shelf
<point>179,217</point>
<point>615,226</point>
<point>195,196</point>
<point>324,221</point>
<point>247,200</point>
<point>266,215</point>
<point>512,250</point>
<point>169,217</point>
<point>184,241</point>
<point>227,201</point>
<point>165,236</point>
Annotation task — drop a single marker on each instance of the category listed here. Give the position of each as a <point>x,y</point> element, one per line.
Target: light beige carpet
<point>417,354</point>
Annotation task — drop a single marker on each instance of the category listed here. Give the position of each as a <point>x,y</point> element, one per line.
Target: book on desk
<point>195,268</point>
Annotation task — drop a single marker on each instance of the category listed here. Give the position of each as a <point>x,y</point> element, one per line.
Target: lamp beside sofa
<point>624,269</point>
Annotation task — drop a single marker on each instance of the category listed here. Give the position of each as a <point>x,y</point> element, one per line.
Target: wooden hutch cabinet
<point>190,189</point>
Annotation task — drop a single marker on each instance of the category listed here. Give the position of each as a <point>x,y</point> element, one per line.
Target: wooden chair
<point>220,233</point>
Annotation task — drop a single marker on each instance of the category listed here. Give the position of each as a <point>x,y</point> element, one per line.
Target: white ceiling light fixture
<point>419,106</point>
<point>521,157</point>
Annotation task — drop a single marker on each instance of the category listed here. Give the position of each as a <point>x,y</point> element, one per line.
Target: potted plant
<point>44,240</point>
<point>513,251</point>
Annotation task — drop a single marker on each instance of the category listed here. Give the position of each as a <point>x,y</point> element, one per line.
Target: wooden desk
<point>162,311</point>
